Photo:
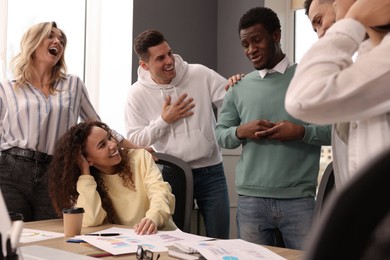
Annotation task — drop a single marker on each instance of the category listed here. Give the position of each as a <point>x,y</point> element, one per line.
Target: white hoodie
<point>192,138</point>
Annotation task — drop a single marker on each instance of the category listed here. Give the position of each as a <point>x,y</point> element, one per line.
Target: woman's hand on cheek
<point>145,227</point>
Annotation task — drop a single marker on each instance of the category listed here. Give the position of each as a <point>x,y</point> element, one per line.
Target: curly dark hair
<point>64,170</point>
<point>307,4</point>
<point>260,15</point>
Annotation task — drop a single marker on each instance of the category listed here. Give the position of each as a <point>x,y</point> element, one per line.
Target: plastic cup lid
<point>73,210</point>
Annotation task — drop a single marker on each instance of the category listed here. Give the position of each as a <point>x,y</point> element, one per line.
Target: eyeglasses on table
<point>144,254</point>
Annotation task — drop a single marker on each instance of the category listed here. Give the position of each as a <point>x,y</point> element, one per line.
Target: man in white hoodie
<point>170,108</point>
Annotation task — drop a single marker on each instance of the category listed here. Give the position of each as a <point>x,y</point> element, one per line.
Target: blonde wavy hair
<point>22,63</point>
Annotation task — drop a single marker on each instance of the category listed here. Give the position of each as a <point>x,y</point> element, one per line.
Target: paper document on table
<point>33,235</point>
<point>128,241</point>
<point>237,249</point>
<point>169,238</point>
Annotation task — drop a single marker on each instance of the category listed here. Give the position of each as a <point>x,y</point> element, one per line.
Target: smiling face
<point>102,151</point>
<point>50,49</point>
<point>259,46</point>
<point>161,63</point>
<point>322,16</point>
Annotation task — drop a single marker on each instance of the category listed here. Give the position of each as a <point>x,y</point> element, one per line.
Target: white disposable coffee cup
<point>73,219</point>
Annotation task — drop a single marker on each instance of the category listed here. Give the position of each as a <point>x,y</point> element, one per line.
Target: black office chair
<point>348,227</point>
<point>179,175</point>
<point>325,188</point>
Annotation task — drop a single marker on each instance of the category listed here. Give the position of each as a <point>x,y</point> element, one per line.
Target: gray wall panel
<point>231,58</point>
<point>202,31</point>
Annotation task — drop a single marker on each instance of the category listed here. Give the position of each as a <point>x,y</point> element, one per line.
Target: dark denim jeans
<point>259,218</point>
<point>212,198</point>
<point>23,183</point>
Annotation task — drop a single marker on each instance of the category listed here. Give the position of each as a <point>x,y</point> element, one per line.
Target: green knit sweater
<point>269,168</point>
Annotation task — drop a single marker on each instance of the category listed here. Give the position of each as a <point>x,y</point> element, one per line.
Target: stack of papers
<point>128,241</point>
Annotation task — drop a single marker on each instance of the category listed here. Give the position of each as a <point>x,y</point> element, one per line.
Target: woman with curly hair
<point>112,184</point>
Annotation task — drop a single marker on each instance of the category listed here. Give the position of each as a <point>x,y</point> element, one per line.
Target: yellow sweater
<point>151,199</point>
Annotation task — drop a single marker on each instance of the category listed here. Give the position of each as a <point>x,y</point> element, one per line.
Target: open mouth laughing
<point>53,51</point>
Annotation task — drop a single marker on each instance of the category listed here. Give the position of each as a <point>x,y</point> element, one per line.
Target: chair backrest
<point>352,215</point>
<point>179,175</point>
<point>325,187</point>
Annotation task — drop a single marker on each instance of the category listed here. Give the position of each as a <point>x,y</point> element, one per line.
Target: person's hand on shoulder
<point>129,145</point>
<point>233,80</point>
<point>151,151</point>
<point>145,227</point>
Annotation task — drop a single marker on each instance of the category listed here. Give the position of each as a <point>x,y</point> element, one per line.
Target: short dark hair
<point>145,40</point>
<point>260,15</point>
<point>307,5</point>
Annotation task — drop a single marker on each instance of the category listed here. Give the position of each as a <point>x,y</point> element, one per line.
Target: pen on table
<point>103,234</point>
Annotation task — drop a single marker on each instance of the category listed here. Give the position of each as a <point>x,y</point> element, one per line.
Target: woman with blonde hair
<point>36,108</point>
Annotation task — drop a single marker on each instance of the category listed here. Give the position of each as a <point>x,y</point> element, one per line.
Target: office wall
<point>189,26</point>
<point>230,55</point>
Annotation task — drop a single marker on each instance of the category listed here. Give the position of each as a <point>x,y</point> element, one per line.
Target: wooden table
<point>56,225</point>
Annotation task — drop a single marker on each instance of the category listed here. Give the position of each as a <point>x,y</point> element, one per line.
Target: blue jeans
<point>258,219</point>
<point>212,198</point>
<point>23,183</point>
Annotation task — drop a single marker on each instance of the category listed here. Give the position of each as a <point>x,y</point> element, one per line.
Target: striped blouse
<point>29,120</point>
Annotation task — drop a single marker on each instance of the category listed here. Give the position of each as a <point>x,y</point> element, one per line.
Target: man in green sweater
<point>276,176</point>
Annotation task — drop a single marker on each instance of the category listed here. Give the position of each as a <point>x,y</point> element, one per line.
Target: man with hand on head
<point>329,87</point>
<point>321,15</point>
